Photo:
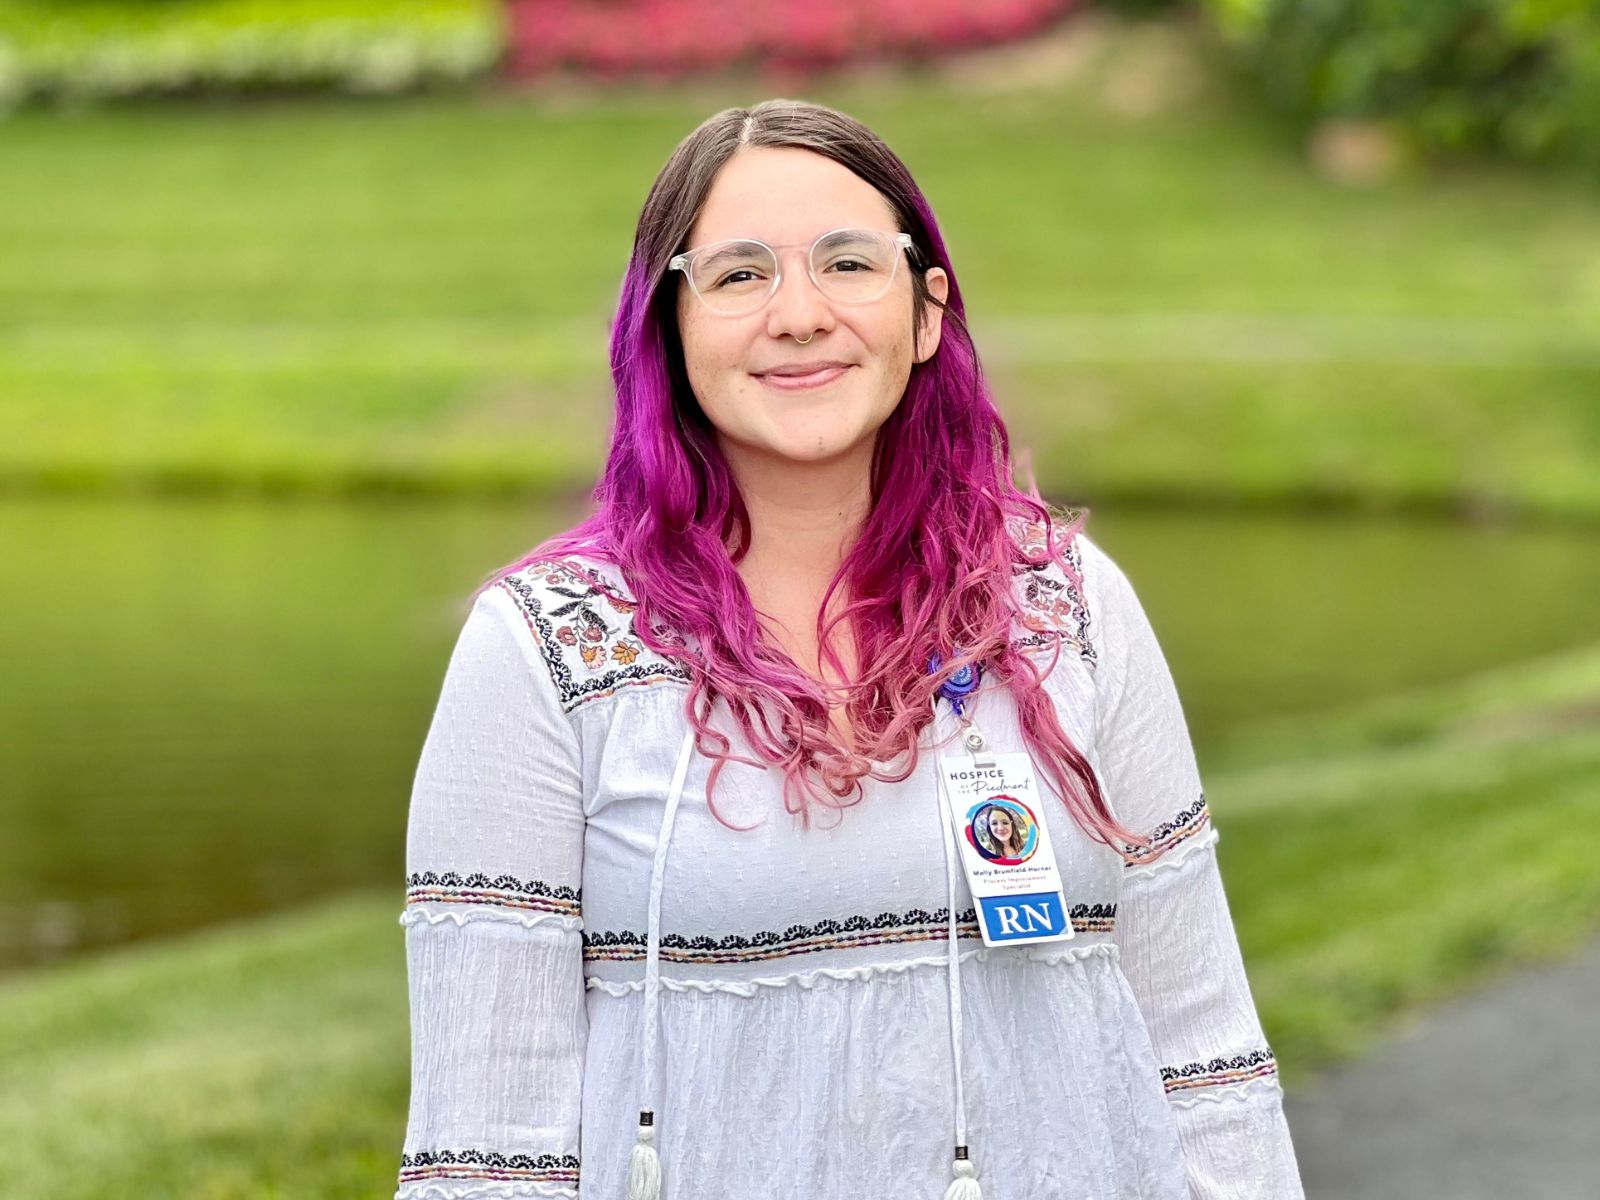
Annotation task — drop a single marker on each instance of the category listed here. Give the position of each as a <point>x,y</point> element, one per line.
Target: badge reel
<point>997,816</point>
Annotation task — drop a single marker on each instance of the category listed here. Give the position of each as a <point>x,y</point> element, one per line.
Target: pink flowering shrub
<point>664,38</point>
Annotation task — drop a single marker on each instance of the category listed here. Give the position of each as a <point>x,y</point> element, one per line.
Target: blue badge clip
<point>960,685</point>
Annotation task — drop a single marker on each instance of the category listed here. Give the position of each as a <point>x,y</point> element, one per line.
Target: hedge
<point>90,49</point>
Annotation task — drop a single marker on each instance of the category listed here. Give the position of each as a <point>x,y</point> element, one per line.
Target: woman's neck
<point>804,517</point>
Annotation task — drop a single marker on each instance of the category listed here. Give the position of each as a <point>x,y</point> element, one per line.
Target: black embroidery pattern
<point>917,925</point>
<point>1093,918</point>
<point>503,890</point>
<point>1220,1072</point>
<point>486,1164</point>
<point>585,632</point>
<point>1053,607</point>
<point>1191,822</point>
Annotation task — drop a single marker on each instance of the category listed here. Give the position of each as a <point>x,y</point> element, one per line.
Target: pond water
<point>213,708</point>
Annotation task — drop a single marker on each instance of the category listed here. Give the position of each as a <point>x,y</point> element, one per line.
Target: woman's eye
<point>853,263</point>
<point>730,277</point>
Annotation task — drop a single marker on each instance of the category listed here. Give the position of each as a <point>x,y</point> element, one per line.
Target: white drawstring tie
<point>964,1185</point>
<point>644,1165</point>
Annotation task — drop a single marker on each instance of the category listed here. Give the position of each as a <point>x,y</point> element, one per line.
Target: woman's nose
<point>797,307</point>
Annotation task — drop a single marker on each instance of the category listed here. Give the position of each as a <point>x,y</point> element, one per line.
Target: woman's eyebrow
<point>725,254</point>
<point>841,233</point>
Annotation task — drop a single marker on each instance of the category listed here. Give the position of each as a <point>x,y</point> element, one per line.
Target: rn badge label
<point>997,816</point>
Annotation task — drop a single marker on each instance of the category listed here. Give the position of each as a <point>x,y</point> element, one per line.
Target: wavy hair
<point>931,571</point>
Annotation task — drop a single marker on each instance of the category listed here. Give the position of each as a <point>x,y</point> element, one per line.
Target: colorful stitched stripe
<point>1219,1072</point>
<point>483,1164</point>
<point>503,890</point>
<point>1093,924</point>
<point>1191,822</point>
<point>850,934</point>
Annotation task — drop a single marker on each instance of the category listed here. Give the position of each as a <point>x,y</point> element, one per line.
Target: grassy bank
<point>341,297</point>
<point>266,1060</point>
<point>1384,858</point>
<point>1375,862</point>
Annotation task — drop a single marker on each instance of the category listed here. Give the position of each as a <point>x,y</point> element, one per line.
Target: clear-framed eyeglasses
<point>737,276</point>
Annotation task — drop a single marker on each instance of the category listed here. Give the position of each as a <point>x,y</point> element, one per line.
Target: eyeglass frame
<point>684,262</point>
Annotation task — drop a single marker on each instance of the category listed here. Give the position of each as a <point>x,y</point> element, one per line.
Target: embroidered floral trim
<point>1010,956</point>
<point>1191,822</point>
<point>486,1164</point>
<point>1220,1072</point>
<point>1052,605</point>
<point>504,890</point>
<point>584,626</point>
<point>918,925</point>
<point>584,630</point>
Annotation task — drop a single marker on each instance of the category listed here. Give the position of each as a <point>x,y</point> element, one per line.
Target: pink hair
<point>930,572</point>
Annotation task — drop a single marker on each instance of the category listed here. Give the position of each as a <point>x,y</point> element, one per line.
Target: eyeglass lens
<point>852,266</point>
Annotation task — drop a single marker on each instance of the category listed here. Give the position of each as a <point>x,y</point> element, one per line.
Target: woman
<point>1005,839</point>
<point>683,917</point>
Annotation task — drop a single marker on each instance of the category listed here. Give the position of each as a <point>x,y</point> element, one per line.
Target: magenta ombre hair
<point>931,571</point>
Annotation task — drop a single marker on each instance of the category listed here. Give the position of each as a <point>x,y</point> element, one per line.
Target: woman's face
<point>1000,825</point>
<point>785,197</point>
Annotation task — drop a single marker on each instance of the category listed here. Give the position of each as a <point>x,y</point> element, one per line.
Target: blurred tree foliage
<point>1514,76</point>
<point>1521,76</point>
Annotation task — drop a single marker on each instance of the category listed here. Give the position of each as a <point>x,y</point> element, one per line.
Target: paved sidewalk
<point>1494,1096</point>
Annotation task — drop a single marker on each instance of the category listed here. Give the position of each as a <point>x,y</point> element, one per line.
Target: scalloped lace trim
<point>808,979</point>
<point>1133,876</point>
<point>433,1190</point>
<point>415,914</point>
<point>1244,1090</point>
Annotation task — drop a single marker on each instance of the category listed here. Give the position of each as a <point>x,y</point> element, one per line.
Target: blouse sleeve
<point>494,848</point>
<point>1178,947</point>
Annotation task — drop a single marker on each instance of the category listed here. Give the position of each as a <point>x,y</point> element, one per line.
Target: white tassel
<point>965,1184</point>
<point>644,1167</point>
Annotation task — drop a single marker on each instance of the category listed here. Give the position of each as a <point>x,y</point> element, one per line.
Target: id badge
<point>997,815</point>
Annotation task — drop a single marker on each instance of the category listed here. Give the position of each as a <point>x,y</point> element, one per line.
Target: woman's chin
<point>819,443</point>
<point>818,451</point>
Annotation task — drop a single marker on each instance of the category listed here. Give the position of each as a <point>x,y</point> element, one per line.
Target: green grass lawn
<point>1375,861</point>
<point>413,295</point>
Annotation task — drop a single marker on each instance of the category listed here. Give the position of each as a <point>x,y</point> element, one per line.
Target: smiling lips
<point>803,379</point>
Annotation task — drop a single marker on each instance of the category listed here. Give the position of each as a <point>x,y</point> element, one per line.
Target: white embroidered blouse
<point>795,1035</point>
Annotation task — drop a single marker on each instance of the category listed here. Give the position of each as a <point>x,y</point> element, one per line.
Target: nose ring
<point>804,340</point>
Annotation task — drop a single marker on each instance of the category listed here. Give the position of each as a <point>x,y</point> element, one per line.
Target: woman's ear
<point>933,316</point>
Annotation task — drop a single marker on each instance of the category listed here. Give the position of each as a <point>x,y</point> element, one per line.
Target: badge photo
<point>1003,829</point>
